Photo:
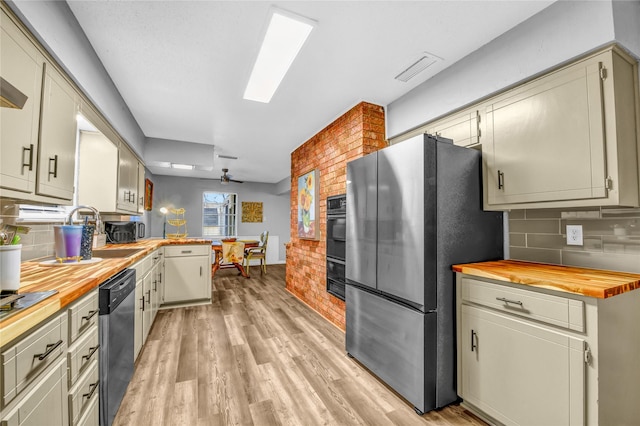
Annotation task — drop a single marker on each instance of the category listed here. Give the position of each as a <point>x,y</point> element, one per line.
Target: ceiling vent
<point>424,61</point>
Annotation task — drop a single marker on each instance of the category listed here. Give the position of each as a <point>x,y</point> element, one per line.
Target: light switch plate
<point>574,235</point>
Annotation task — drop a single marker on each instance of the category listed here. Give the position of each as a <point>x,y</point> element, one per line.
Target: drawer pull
<point>91,315</point>
<point>507,301</point>
<point>92,389</point>
<point>474,336</point>
<point>50,348</point>
<point>30,163</point>
<point>91,352</point>
<point>185,251</point>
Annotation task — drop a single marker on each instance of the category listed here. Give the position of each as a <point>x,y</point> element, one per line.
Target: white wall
<point>170,191</point>
<point>563,31</point>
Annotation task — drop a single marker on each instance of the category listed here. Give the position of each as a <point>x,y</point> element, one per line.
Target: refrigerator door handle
<point>474,345</point>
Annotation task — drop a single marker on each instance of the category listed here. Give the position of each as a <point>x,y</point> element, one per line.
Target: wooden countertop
<point>72,282</point>
<point>587,282</point>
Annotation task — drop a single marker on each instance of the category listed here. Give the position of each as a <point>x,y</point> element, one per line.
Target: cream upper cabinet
<point>565,139</point>
<point>127,180</point>
<point>463,127</point>
<point>141,187</point>
<point>20,66</point>
<point>58,127</point>
<point>97,171</point>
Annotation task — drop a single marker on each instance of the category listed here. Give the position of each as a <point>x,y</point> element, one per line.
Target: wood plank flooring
<point>259,356</point>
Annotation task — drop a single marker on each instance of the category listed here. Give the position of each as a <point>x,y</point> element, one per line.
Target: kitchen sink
<point>115,253</point>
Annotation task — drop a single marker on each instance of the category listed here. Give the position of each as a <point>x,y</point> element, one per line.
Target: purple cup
<point>67,240</point>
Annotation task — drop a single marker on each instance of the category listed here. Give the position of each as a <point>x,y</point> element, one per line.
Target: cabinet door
<point>186,279</point>
<point>45,404</point>
<point>97,172</point>
<point>545,140</point>
<point>463,128</point>
<point>520,373</point>
<point>58,127</point>
<point>137,320</point>
<point>127,180</point>
<point>141,192</point>
<point>146,314</point>
<point>21,66</point>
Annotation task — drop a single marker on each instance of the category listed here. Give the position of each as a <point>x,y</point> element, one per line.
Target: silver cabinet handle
<point>513,302</point>
<point>50,348</point>
<point>30,163</point>
<point>91,352</point>
<point>148,297</point>
<point>55,166</point>
<point>92,389</point>
<point>500,180</point>
<point>474,336</point>
<point>90,315</point>
<point>185,251</point>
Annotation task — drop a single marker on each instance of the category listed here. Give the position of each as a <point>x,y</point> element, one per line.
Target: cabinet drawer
<point>143,266</point>
<point>83,315</point>
<point>194,250</point>
<point>83,393</point>
<point>91,416</point>
<point>44,404</point>
<point>81,354</point>
<point>25,360</point>
<point>555,310</point>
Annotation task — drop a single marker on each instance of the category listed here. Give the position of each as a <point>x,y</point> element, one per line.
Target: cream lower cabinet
<point>187,274</point>
<point>568,138</point>
<point>142,315</point>
<point>537,357</point>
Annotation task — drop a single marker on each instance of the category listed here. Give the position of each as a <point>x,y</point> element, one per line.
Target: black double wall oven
<point>336,243</point>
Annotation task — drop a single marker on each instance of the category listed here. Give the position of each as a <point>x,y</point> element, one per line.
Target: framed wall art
<point>308,212</point>
<point>251,211</point>
<point>148,194</point>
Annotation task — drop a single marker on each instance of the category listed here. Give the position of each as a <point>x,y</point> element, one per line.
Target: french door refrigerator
<point>413,210</point>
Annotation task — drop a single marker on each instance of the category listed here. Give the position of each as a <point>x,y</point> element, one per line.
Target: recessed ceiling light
<point>182,166</point>
<point>283,40</point>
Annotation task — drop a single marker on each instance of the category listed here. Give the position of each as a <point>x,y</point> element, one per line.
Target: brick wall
<point>358,132</point>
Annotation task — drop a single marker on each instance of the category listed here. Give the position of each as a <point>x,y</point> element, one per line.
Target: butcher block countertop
<point>72,282</point>
<point>587,282</point>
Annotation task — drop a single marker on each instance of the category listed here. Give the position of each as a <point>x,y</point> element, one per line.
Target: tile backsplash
<point>611,237</point>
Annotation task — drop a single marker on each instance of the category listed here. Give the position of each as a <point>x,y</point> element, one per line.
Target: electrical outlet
<point>574,235</point>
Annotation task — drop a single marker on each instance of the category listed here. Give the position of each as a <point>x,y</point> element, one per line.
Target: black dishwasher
<point>116,330</point>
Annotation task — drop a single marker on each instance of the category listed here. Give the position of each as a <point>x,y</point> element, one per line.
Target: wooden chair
<point>259,252</point>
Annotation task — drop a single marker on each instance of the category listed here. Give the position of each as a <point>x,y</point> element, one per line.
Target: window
<point>219,214</point>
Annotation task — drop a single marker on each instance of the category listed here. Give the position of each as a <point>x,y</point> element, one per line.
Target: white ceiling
<point>182,66</point>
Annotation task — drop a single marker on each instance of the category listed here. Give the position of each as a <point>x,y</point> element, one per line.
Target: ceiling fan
<point>226,178</point>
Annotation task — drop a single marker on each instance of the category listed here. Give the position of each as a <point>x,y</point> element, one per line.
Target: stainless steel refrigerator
<point>413,210</point>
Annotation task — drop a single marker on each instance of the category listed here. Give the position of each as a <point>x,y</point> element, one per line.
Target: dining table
<point>216,246</point>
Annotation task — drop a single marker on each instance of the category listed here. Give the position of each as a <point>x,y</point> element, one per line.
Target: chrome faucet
<point>99,229</point>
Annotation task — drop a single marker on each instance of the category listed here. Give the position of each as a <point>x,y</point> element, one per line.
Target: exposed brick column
<point>358,132</point>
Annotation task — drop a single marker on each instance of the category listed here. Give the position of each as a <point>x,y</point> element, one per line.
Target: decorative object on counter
<point>308,206</point>
<point>68,239</point>
<point>10,267</point>
<point>148,195</point>
<point>179,222</point>
<point>86,243</point>
<point>9,233</point>
<point>164,212</point>
<point>251,211</point>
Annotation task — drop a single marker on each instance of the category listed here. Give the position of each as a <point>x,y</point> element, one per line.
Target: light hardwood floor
<point>258,356</point>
